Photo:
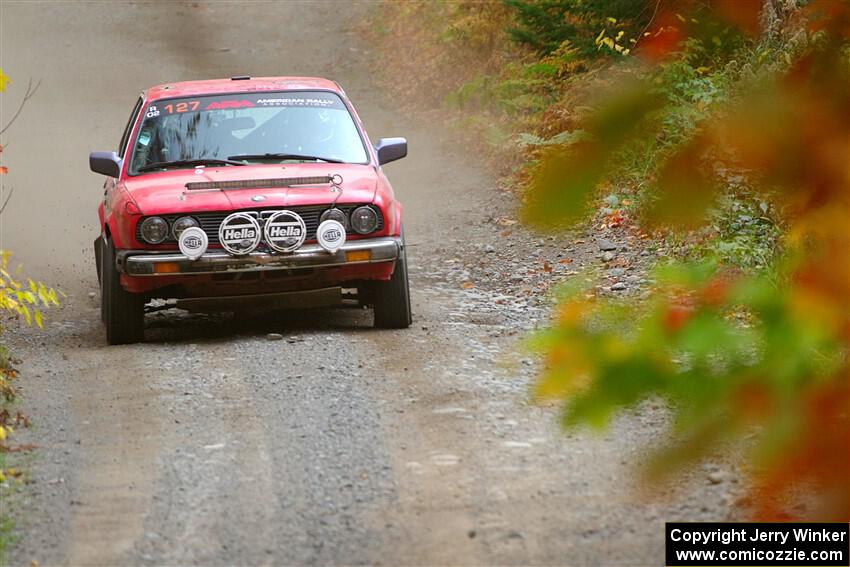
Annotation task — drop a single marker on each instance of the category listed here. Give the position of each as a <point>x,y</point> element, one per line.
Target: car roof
<point>240,85</point>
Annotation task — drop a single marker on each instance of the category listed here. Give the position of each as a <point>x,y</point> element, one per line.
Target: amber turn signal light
<point>166,268</point>
<point>358,256</point>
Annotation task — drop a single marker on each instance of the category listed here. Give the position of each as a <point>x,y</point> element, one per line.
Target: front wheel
<point>122,312</point>
<point>392,298</point>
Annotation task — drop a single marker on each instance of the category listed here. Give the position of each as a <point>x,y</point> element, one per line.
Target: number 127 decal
<point>192,105</point>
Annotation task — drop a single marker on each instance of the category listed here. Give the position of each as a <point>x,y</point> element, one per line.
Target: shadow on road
<point>179,326</point>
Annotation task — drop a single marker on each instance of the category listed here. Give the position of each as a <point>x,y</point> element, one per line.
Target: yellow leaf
<point>25,311</point>
<point>25,296</point>
<point>2,433</point>
<point>3,80</point>
<point>38,320</point>
<point>599,37</point>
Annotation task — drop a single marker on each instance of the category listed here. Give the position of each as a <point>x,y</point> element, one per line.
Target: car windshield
<point>266,127</point>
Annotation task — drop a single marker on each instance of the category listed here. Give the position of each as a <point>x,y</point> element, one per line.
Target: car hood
<point>165,192</point>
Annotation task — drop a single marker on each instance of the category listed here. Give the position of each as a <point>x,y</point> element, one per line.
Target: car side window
<point>124,137</point>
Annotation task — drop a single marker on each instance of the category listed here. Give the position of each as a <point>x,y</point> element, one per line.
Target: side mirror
<point>390,149</point>
<point>105,163</point>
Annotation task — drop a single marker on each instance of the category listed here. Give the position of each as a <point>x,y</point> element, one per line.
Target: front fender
<point>396,217</point>
<point>120,215</point>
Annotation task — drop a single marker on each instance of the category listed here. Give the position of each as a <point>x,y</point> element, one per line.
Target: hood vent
<point>260,183</point>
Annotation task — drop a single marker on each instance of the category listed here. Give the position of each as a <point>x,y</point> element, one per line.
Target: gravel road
<point>340,444</point>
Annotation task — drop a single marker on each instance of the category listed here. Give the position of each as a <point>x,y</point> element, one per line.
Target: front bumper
<point>352,253</point>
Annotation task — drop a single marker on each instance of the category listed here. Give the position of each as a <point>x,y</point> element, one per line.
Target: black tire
<point>122,312</point>
<point>392,298</point>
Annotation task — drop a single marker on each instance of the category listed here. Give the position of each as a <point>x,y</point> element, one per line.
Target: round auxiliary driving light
<point>239,234</point>
<point>182,224</point>
<point>193,242</point>
<point>364,219</point>
<point>285,231</point>
<point>154,230</point>
<point>330,235</point>
<point>335,214</point>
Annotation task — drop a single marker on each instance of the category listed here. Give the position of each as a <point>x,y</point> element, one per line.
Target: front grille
<point>210,221</point>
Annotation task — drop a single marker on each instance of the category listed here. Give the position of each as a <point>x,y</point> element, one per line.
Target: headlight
<point>364,220</point>
<point>182,224</point>
<point>334,214</point>
<point>154,230</point>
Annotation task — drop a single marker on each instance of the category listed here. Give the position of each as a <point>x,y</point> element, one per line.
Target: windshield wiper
<point>188,162</point>
<point>282,156</point>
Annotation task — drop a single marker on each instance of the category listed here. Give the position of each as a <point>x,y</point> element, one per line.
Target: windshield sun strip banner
<point>279,99</point>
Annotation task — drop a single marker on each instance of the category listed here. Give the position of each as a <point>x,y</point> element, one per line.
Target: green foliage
<point>566,138</point>
<point>566,177</point>
<point>523,94</point>
<point>547,25</point>
<point>745,232</point>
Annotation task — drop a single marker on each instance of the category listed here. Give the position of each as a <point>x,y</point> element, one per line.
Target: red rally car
<point>248,192</point>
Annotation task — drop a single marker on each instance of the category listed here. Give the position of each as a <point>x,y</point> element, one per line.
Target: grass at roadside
<point>6,523</point>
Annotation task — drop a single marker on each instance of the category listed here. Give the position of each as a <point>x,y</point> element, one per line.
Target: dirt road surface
<point>209,444</point>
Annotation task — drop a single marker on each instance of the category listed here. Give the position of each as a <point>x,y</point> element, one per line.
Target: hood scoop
<point>281,182</point>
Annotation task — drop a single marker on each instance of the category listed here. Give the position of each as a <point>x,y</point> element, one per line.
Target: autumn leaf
<point>3,80</point>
